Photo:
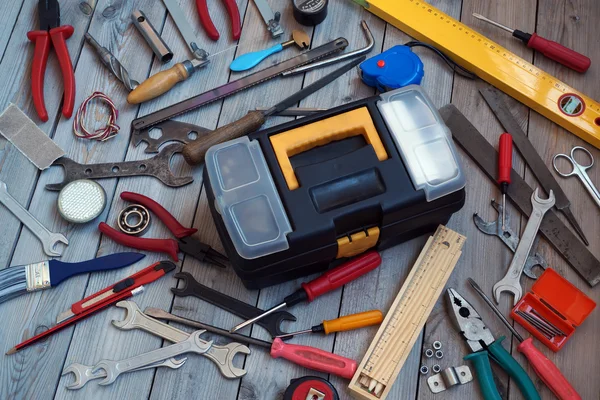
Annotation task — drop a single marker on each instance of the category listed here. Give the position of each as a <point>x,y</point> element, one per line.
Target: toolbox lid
<point>246,198</point>
<point>423,141</point>
<point>563,296</point>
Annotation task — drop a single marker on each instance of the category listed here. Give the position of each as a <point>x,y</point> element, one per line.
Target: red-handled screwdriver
<point>327,282</point>
<point>544,368</point>
<point>553,50</point>
<point>504,168</point>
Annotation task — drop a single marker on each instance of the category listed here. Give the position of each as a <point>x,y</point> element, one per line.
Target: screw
<point>424,369</point>
<point>437,345</point>
<point>428,353</point>
<point>439,354</point>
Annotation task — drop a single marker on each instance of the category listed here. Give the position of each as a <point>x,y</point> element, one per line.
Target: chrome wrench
<point>83,373</point>
<point>193,344</point>
<point>510,239</point>
<point>510,282</point>
<point>221,355</point>
<point>49,239</point>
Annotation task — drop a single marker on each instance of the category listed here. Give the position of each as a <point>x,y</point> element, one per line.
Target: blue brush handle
<point>251,60</point>
<point>59,271</point>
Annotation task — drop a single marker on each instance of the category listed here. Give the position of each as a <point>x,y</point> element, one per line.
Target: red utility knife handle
<point>505,158</point>
<point>209,27</point>
<point>342,274</point>
<point>169,220</point>
<point>140,278</point>
<point>559,53</point>
<point>84,314</point>
<point>169,246</point>
<point>315,359</point>
<point>548,371</point>
<point>42,39</point>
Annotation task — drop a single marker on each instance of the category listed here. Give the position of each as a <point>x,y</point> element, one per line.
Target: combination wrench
<point>510,282</point>
<point>221,355</point>
<point>49,239</point>
<point>112,369</point>
<point>510,239</point>
<point>84,373</point>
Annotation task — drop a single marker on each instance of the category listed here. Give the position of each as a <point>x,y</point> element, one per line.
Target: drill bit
<point>111,62</point>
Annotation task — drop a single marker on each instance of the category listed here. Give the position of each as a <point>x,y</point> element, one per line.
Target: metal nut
<point>439,354</point>
<point>428,353</point>
<point>437,345</point>
<point>424,369</point>
<point>436,368</point>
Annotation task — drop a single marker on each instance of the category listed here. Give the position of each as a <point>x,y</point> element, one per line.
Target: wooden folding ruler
<point>399,331</point>
<point>516,77</point>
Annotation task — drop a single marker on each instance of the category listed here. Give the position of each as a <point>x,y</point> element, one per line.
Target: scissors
<point>579,170</point>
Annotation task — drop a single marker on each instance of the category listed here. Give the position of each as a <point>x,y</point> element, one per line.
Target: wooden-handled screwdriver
<point>163,81</point>
<point>341,324</point>
<point>194,152</point>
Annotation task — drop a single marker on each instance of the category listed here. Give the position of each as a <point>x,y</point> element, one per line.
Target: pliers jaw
<point>468,322</point>
<point>49,14</point>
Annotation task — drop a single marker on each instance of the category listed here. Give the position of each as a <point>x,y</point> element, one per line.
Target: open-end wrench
<point>193,344</point>
<point>49,239</point>
<point>157,166</point>
<point>222,355</point>
<point>191,287</point>
<point>510,239</point>
<point>83,373</point>
<point>510,282</point>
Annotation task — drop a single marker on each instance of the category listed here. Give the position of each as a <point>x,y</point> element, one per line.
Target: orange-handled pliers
<point>209,27</point>
<point>51,30</point>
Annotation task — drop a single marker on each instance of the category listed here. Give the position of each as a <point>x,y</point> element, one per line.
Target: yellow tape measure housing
<point>530,85</point>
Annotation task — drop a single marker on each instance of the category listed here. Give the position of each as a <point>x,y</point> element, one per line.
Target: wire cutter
<point>482,343</point>
<point>51,30</point>
<point>209,26</point>
<point>184,243</point>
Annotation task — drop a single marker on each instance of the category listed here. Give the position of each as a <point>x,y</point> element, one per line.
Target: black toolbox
<point>290,200</point>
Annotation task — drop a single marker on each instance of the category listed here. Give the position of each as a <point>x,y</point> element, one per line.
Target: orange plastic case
<point>559,302</point>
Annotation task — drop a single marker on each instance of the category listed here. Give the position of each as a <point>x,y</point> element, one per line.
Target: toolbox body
<point>289,200</point>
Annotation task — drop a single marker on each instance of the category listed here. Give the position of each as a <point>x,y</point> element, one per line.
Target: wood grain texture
<point>35,372</point>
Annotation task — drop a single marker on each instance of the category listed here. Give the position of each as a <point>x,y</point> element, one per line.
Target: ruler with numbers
<point>518,78</point>
<point>407,316</point>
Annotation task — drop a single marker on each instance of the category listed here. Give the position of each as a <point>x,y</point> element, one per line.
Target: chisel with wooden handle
<point>194,152</point>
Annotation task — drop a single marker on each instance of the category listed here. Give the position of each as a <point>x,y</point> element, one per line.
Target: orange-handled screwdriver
<point>346,323</point>
<point>543,367</point>
<point>504,168</point>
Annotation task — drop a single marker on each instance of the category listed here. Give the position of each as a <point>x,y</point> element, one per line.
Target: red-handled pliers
<point>185,243</point>
<point>51,30</point>
<point>209,27</point>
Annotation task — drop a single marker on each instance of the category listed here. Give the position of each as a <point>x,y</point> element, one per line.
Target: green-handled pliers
<point>482,343</point>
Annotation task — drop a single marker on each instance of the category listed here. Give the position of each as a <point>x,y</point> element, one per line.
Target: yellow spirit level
<point>530,85</point>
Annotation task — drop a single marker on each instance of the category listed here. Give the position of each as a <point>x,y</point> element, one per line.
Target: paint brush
<point>15,281</point>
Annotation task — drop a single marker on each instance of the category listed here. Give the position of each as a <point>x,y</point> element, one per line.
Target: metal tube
<point>548,322</point>
<point>156,43</point>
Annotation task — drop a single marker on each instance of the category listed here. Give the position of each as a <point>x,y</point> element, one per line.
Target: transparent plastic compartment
<point>423,140</point>
<point>247,199</point>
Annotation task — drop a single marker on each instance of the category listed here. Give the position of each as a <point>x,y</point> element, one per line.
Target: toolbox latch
<point>357,243</point>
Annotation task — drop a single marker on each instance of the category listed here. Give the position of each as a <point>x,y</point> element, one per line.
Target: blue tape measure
<point>392,69</point>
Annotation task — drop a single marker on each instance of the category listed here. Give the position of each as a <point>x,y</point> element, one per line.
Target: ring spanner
<point>221,355</point>
<point>510,282</point>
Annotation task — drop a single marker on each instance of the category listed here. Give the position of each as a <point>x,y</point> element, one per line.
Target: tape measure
<point>403,323</point>
<point>530,85</point>
<point>310,12</point>
<point>310,388</point>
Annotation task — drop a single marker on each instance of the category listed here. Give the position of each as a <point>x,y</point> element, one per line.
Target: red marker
<point>553,50</point>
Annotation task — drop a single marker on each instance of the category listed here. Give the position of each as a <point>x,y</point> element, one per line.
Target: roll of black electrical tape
<point>310,387</point>
<point>310,12</point>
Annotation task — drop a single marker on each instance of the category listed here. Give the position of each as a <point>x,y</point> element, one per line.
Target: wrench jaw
<point>51,244</point>
<point>82,374</point>
<point>109,368</point>
<point>183,291</point>
<point>131,309</point>
<point>502,286</point>
<point>227,368</point>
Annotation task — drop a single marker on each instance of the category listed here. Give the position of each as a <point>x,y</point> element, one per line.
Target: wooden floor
<point>36,372</point>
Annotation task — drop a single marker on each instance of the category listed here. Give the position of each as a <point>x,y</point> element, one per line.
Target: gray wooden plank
<point>182,203</point>
<point>10,12</point>
<point>24,373</point>
<point>15,79</point>
<point>574,25</point>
